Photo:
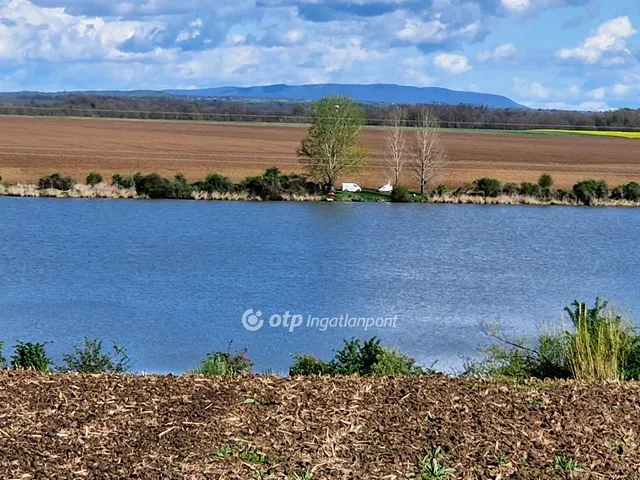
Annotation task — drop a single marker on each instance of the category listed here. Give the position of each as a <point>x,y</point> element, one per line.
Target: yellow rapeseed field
<point>599,133</point>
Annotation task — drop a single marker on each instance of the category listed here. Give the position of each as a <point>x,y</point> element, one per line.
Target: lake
<point>172,280</point>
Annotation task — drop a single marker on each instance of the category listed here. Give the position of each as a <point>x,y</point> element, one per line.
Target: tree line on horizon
<point>280,111</point>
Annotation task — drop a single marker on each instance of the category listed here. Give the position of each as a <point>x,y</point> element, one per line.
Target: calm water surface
<point>171,280</point>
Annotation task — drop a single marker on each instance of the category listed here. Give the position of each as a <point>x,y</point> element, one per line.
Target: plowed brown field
<point>31,147</point>
<point>190,427</point>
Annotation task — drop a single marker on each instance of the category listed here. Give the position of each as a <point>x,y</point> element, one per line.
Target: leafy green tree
<point>332,146</point>
<point>545,181</point>
<point>93,179</point>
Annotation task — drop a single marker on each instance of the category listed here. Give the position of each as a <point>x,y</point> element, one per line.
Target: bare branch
<point>428,156</point>
<point>393,164</point>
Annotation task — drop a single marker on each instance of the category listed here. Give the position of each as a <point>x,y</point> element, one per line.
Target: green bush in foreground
<point>31,356</point>
<point>400,194</point>
<point>357,358</point>
<point>3,360</point>
<point>598,345</point>
<point>309,365</point>
<point>90,358</point>
<point>225,363</point>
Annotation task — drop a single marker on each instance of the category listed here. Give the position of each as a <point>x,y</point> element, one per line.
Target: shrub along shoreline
<point>595,344</point>
<point>276,186</point>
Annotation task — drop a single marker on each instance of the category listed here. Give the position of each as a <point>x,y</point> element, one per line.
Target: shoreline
<point>105,191</point>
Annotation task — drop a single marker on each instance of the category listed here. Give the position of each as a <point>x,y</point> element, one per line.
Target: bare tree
<point>428,156</point>
<point>392,166</point>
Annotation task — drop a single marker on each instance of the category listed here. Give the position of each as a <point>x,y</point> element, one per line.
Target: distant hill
<point>383,93</point>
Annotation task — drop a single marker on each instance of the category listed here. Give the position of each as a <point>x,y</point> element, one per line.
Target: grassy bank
<point>193,427</point>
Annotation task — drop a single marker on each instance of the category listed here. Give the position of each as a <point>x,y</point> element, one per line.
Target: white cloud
<point>620,90</point>
<point>516,6</point>
<point>582,107</point>
<point>596,94</point>
<point>414,70</point>
<point>530,89</point>
<point>436,32</point>
<point>499,53</point>
<point>293,37</point>
<point>452,63</point>
<point>31,33</point>
<point>610,37</point>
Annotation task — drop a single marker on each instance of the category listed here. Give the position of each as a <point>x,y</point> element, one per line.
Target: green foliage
<point>371,358</point>
<point>360,358</point>
<point>273,185</point>
<point>3,360</point>
<point>31,356</point>
<point>441,190</point>
<point>222,452</point>
<point>94,178</point>
<point>430,467</point>
<point>565,195</point>
<point>90,358</point>
<point>510,189</point>
<point>568,465</point>
<point>214,182</point>
<point>464,189</point>
<point>123,182</point>
<point>631,368</point>
<point>56,181</point>
<point>225,363</point>
<point>309,365</point>
<point>332,146</point>
<point>630,191</point>
<point>599,345</point>
<point>530,189</point>
<point>545,182</point>
<point>590,190</point>
<point>400,194</point>
<point>154,186</point>
<point>489,186</point>
<point>392,363</point>
<point>520,361</point>
<point>181,189</point>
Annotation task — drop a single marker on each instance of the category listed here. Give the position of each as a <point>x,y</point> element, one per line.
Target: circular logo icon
<point>252,321</point>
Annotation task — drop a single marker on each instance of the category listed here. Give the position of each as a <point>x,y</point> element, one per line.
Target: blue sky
<point>574,54</point>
